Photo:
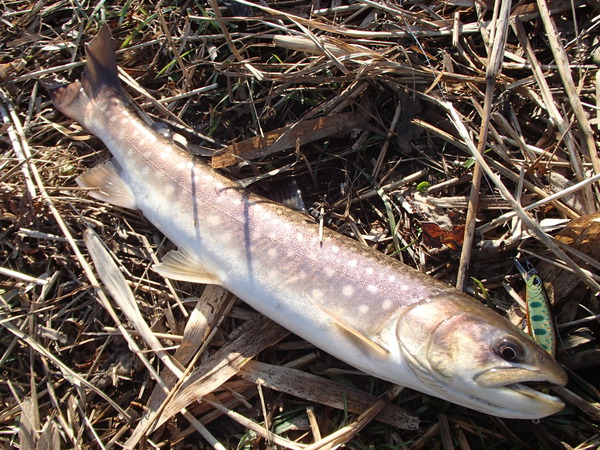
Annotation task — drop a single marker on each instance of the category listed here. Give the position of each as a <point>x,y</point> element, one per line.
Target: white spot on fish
<point>404,288</point>
<point>121,134</point>
<point>347,290</point>
<point>219,198</point>
<point>369,271</point>
<point>225,238</point>
<point>189,165</point>
<point>213,220</point>
<point>352,263</point>
<point>391,278</point>
<point>387,304</point>
<point>145,170</point>
<point>272,253</point>
<point>141,133</point>
<point>168,189</point>
<point>329,271</point>
<point>335,249</point>
<point>166,153</point>
<point>317,294</point>
<point>363,309</point>
<point>372,289</point>
<point>299,237</point>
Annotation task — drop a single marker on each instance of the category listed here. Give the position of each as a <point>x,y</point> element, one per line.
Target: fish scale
<point>365,308</point>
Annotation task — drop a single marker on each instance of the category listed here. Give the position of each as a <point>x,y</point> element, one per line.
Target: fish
<point>539,316</point>
<point>368,309</point>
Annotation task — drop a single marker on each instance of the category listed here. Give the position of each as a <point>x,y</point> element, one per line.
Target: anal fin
<point>182,265</point>
<point>108,184</point>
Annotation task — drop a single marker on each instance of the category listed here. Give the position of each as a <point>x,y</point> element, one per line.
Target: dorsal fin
<point>287,193</point>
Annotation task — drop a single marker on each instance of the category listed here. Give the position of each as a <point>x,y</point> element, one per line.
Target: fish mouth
<point>520,401</point>
<point>520,376</point>
<point>524,387</point>
<point>536,395</point>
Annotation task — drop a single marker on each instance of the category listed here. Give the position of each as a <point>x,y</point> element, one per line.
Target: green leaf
<point>423,186</point>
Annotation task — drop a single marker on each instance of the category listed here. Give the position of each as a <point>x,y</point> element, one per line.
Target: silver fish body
<point>367,309</point>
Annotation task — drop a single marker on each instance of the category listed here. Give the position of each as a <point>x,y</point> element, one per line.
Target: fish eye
<point>509,350</point>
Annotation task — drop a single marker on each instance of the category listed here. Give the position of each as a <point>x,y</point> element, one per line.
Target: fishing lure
<point>539,317</point>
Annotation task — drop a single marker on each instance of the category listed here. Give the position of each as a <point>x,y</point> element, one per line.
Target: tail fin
<point>100,79</point>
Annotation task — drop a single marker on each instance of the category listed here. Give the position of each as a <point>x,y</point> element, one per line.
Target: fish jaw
<point>465,353</point>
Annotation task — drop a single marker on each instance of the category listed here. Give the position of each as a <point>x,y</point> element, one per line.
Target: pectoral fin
<point>108,184</point>
<point>182,265</point>
<point>367,343</point>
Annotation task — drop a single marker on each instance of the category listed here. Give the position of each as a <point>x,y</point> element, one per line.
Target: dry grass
<point>361,103</point>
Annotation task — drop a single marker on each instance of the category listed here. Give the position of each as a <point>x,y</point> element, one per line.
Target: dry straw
<point>394,118</point>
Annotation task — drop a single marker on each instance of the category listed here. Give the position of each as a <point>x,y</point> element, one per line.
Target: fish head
<point>465,353</point>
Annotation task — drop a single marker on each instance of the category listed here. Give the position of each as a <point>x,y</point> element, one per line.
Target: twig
<point>553,111</point>
<point>73,377</point>
<point>343,435</point>
<point>16,136</point>
<point>528,221</point>
<point>493,71</point>
<point>509,215</point>
<point>386,144</point>
<point>21,276</point>
<point>562,61</point>
<point>251,425</point>
<point>174,49</point>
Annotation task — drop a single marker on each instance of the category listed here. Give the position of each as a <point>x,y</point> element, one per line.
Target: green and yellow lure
<point>539,317</point>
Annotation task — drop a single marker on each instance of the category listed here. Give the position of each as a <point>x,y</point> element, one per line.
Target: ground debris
<point>381,87</point>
